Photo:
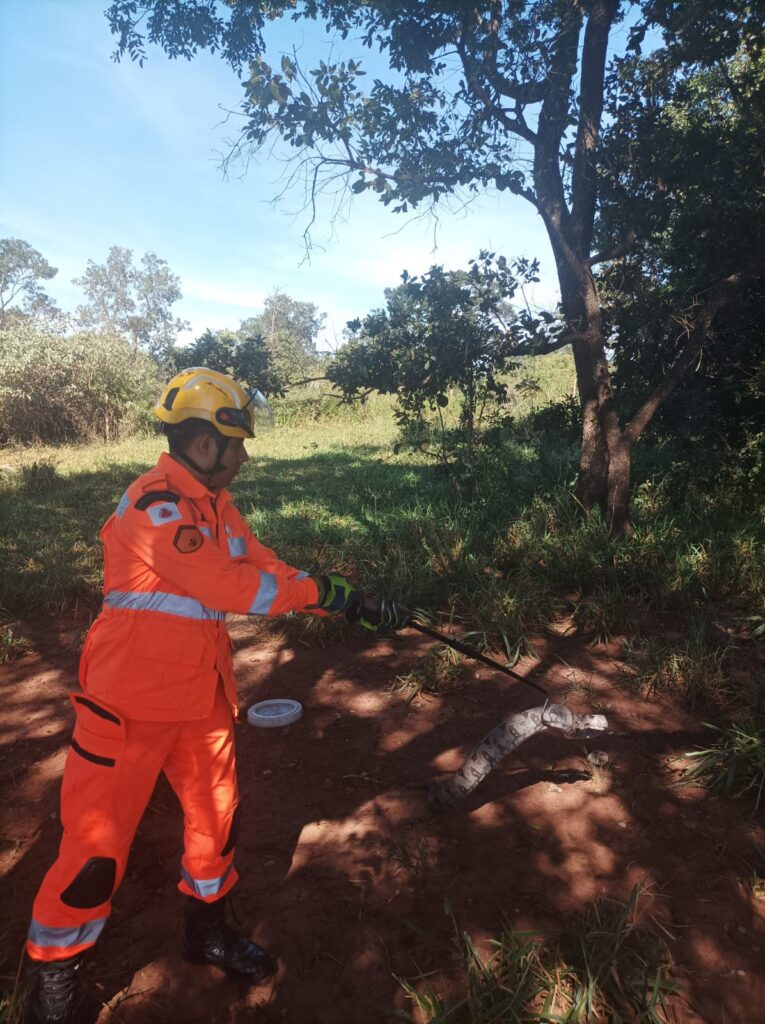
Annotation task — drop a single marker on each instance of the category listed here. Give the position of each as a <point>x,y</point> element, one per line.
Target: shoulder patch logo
<point>163,512</point>
<point>188,539</point>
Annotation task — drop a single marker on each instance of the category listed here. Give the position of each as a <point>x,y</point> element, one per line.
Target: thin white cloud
<point>171,101</point>
<point>240,297</point>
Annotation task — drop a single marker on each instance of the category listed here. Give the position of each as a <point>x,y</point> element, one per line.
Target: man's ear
<point>208,445</point>
<point>202,448</point>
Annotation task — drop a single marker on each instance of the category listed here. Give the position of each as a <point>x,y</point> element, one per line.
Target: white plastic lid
<point>269,714</point>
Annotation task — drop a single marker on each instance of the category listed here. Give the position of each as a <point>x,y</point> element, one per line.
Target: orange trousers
<point>110,773</point>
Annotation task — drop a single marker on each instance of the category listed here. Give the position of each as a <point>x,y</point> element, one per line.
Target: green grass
<point>500,547</point>
<point>442,670</point>
<point>12,644</point>
<point>604,966</point>
<point>735,764</point>
<point>695,664</point>
<point>52,507</point>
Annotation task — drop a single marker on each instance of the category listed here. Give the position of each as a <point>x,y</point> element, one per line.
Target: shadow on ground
<point>345,871</point>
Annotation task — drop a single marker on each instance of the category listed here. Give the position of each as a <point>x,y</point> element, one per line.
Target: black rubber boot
<point>209,940</point>
<point>53,996</point>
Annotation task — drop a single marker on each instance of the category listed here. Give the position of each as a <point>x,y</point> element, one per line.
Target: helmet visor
<point>262,413</point>
<point>256,411</point>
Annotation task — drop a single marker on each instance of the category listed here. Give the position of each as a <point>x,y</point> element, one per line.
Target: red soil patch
<point>344,872</point>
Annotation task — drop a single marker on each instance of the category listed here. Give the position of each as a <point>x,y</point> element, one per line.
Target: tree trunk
<point>619,491</point>
<point>592,482</point>
<point>570,227</point>
<point>582,311</point>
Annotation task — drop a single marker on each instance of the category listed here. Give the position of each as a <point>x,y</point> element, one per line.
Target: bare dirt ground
<point>345,873</point>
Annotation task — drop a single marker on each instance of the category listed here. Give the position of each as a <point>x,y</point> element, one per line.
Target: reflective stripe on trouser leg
<point>46,943</point>
<point>102,802</point>
<point>205,888</point>
<point>201,769</point>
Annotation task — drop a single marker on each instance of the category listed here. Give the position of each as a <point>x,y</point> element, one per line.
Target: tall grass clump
<point>693,662</point>
<point>604,967</point>
<point>56,388</point>
<point>735,763</point>
<point>12,645</point>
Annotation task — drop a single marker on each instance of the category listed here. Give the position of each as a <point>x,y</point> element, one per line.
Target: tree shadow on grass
<point>49,543</point>
<point>49,539</point>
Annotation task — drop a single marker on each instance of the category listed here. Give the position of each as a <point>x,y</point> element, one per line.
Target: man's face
<point>233,458</point>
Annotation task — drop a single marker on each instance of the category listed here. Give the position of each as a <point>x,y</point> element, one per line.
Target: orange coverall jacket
<point>177,557</point>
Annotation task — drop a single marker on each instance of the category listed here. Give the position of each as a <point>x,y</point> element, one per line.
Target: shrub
<point>55,388</point>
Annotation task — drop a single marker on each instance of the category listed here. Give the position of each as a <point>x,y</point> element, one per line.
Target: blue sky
<point>96,153</point>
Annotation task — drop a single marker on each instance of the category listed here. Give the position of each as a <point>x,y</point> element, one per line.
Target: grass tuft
<point>735,764</point>
<point>39,477</point>
<point>442,670</point>
<point>605,967</point>
<point>12,645</point>
<point>694,665</point>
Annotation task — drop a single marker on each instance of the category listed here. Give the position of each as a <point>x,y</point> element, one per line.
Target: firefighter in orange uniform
<point>158,691</point>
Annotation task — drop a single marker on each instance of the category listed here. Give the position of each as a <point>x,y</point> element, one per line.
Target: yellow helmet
<point>204,394</point>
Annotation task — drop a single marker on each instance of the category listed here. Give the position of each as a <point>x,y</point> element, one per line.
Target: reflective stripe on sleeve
<point>122,506</point>
<point>266,594</point>
<point>302,576</point>
<point>205,886</point>
<point>170,604</point>
<point>206,531</point>
<point>237,547</point>
<point>44,936</point>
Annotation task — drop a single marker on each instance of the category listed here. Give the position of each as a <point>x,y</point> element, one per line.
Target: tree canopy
<point>444,330</point>
<point>242,355</point>
<point>702,146</point>
<point>22,268</point>
<point>132,302</point>
<point>270,351</point>
<point>506,96</point>
<point>289,329</point>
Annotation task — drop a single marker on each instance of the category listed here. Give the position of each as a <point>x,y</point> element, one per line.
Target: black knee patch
<point>93,885</point>
<point>233,833</point>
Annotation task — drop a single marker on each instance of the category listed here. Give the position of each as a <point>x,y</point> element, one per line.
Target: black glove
<point>379,614</point>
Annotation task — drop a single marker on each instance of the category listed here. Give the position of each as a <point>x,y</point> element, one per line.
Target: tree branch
<point>584,184</point>
<point>529,348</point>
<point>522,92</point>
<point>621,249</point>
<point>553,118</point>
<point>306,380</point>
<point>720,296</point>
<point>494,110</point>
<point>553,220</point>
